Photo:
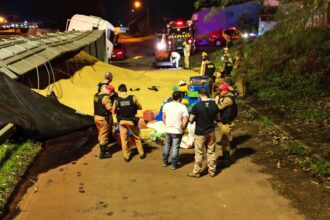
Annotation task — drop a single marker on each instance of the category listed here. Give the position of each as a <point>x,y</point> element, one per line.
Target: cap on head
<point>224,87</point>
<point>108,75</point>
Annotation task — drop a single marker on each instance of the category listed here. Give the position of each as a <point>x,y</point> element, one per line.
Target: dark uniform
<point>209,70</point>
<point>126,108</point>
<point>228,67</point>
<point>103,120</point>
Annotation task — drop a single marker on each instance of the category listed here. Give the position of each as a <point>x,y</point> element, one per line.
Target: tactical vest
<point>229,113</point>
<point>209,69</point>
<point>228,69</point>
<point>99,108</point>
<point>127,109</point>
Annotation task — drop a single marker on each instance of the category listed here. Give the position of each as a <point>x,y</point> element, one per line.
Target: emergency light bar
<point>179,23</point>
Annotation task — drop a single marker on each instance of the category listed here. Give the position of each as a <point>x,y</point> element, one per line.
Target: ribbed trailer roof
<point>22,54</point>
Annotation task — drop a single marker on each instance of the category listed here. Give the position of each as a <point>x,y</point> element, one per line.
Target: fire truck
<point>180,31</point>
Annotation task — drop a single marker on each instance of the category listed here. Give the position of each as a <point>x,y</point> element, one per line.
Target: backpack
<point>229,113</point>
<point>235,93</point>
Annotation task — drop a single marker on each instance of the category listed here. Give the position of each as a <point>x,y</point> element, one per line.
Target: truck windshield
<point>184,30</point>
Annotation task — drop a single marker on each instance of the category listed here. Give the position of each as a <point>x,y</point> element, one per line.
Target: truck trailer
<point>80,22</point>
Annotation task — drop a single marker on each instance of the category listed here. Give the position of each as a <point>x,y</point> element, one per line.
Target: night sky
<point>113,10</point>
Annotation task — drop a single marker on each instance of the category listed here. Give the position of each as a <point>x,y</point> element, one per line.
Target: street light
<point>137,4</point>
<point>2,20</point>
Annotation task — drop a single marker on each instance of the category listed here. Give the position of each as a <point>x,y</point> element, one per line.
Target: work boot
<point>128,159</point>
<point>194,175</point>
<point>103,152</point>
<point>144,155</point>
<point>226,158</point>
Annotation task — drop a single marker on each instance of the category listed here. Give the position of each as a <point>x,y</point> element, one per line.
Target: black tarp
<point>37,116</point>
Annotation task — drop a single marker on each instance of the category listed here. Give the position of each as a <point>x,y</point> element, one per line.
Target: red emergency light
<point>180,23</point>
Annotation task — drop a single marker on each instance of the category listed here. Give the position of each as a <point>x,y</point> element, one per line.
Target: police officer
<point>209,69</point>
<point>103,118</point>
<point>126,107</point>
<point>226,104</point>
<point>227,66</point>
<point>107,80</point>
<point>186,52</point>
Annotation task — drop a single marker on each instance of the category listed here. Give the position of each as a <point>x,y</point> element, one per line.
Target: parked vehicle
<point>119,52</point>
<point>224,36</point>
<point>83,23</point>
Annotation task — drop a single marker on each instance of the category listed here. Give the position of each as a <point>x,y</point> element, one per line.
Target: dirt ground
<point>72,183</point>
<point>68,181</point>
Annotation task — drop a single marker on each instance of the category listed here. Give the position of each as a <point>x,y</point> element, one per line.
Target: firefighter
<point>240,79</point>
<point>228,112</point>
<point>103,118</point>
<point>126,107</point>
<point>175,59</point>
<point>107,80</point>
<point>204,56</point>
<point>186,52</point>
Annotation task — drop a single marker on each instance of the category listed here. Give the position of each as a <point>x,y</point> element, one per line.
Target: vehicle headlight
<point>161,46</point>
<point>245,35</point>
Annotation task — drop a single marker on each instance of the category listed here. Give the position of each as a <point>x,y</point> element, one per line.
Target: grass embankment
<point>287,72</point>
<point>303,156</point>
<point>15,158</point>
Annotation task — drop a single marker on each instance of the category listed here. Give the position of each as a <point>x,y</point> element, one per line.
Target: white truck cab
<point>83,23</point>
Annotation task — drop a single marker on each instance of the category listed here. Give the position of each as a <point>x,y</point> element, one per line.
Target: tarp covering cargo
<point>36,116</point>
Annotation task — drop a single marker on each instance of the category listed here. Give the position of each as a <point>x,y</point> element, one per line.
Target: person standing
<point>209,68</point>
<point>240,79</point>
<point>227,66</point>
<point>103,118</point>
<point>204,113</point>
<point>126,107</point>
<point>186,52</point>
<point>108,77</point>
<point>228,111</point>
<point>204,56</point>
<point>175,59</point>
<point>175,117</point>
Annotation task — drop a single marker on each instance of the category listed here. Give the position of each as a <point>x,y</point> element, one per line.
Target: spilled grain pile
<point>77,92</point>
